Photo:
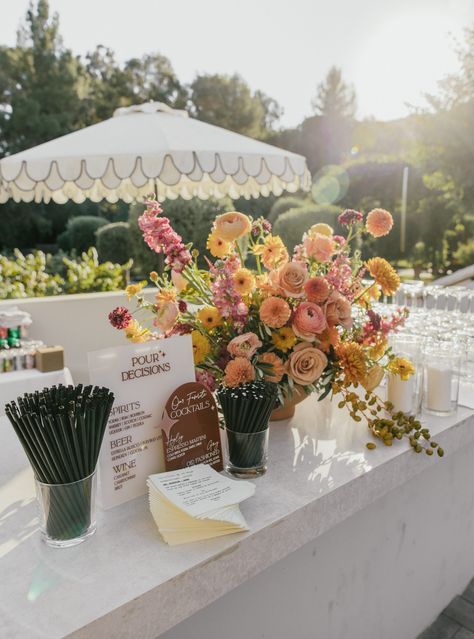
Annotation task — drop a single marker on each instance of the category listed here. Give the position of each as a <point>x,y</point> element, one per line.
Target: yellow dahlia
<point>384,274</point>
<point>401,367</point>
<point>209,316</point>
<point>217,246</point>
<point>352,360</point>
<point>137,333</point>
<point>284,339</point>
<point>272,252</point>
<point>201,347</point>
<point>244,281</point>
<point>377,350</point>
<point>134,289</point>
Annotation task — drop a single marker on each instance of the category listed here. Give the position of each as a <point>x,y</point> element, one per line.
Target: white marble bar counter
<point>126,582</point>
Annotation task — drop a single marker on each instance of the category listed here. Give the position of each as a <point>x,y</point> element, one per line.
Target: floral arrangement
<point>303,321</point>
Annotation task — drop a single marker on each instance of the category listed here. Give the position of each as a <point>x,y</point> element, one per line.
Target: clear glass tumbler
<point>67,511</point>
<point>246,454</point>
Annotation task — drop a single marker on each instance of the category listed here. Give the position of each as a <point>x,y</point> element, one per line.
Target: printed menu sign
<point>141,376</point>
<point>190,428</point>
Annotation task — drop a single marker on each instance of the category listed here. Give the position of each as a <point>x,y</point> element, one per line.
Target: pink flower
<point>206,379</point>
<point>379,222</point>
<point>120,317</point>
<point>317,289</point>
<point>319,247</point>
<point>338,310</point>
<point>291,278</point>
<point>245,345</point>
<point>308,321</point>
<point>349,216</point>
<point>166,316</point>
<point>159,235</point>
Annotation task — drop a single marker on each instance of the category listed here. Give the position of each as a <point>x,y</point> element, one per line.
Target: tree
<point>110,85</point>
<point>334,98</point>
<point>38,84</point>
<point>227,101</point>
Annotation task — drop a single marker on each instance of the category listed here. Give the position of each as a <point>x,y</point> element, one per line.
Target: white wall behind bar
<point>77,322</point>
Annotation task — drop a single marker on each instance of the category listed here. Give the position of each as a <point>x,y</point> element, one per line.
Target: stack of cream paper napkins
<point>197,503</point>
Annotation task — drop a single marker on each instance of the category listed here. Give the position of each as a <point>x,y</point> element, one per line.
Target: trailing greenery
<point>34,275</point>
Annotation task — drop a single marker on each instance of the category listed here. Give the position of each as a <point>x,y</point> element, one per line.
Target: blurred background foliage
<point>46,90</point>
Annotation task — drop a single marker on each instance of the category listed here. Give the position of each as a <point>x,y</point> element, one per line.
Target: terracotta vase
<point>287,410</point>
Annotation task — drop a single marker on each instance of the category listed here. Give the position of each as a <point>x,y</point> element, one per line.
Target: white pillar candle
<point>438,388</point>
<point>400,392</point>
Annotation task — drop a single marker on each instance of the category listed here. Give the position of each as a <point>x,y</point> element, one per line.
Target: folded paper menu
<point>197,503</point>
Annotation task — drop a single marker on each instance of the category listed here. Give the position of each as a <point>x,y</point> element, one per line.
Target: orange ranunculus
<point>245,345</point>
<point>308,321</point>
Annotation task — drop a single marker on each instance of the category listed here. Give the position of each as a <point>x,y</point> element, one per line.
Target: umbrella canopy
<point>150,148</point>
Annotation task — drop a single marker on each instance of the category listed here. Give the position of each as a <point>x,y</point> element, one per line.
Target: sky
<point>393,51</point>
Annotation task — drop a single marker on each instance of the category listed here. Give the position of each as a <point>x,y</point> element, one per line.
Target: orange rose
<point>306,364</point>
<point>231,226</point>
<point>291,278</point>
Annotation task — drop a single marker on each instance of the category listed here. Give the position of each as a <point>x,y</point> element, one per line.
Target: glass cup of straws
<point>441,371</point>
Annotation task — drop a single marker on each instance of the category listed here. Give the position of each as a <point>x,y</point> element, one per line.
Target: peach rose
<point>275,312</point>
<point>320,247</point>
<point>338,310</point>
<point>291,278</point>
<point>306,364</point>
<point>238,371</point>
<point>278,368</point>
<point>379,222</point>
<point>308,321</point>
<point>166,316</point>
<point>244,345</point>
<point>317,289</point>
<point>231,226</point>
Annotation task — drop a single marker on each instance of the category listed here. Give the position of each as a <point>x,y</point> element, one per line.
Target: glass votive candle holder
<point>441,364</point>
<point>405,395</point>
<point>67,511</point>
<point>246,454</point>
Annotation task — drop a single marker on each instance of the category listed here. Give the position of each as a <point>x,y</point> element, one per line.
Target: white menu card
<point>141,376</point>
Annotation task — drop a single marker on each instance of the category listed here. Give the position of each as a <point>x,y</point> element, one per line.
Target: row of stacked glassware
<point>16,351</point>
<point>438,338</point>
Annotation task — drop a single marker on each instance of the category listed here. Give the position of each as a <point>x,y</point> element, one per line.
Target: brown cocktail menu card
<point>190,428</point>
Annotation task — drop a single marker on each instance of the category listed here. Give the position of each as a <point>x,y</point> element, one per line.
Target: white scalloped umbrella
<point>150,148</point>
